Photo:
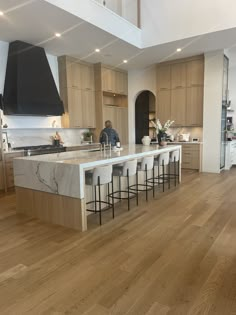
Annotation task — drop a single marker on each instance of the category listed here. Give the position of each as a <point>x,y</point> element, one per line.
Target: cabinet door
<point>110,113</point>
<point>88,101</point>
<point>194,106</point>
<point>195,72</point>
<point>122,124</point>
<point>163,77</point>
<point>87,77</point>
<point>178,75</point>
<point>73,75</point>
<point>163,105</point>
<point>1,176</point>
<point>121,83</point>
<point>75,108</point>
<point>178,106</point>
<point>108,80</point>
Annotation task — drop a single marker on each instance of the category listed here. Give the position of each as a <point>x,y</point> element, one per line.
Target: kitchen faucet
<point>106,144</point>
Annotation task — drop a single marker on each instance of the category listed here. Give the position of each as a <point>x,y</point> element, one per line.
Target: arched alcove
<point>145,110</point>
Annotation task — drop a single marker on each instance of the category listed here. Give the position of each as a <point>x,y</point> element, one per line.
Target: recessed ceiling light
<point>178,49</point>
<point>125,61</point>
<point>57,34</point>
<point>1,13</point>
<point>97,50</point>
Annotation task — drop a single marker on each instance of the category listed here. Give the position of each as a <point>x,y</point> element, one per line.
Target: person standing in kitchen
<point>109,135</point>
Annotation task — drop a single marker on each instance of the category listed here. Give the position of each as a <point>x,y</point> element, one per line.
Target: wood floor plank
<point>172,255</point>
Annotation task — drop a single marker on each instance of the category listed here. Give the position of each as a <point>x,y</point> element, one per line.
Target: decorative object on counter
<point>88,136</point>
<point>146,140</point>
<point>184,137</point>
<point>5,126</point>
<point>4,142</point>
<point>161,130</point>
<point>57,140</point>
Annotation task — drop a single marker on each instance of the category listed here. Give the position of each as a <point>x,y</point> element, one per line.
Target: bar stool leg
<point>146,182</point>
<point>175,170</point>
<point>95,197</point>
<point>169,175</point>
<point>178,171</point>
<point>120,188</point>
<point>128,189</point>
<point>99,197</point>
<point>137,188</point>
<point>163,174</point>
<point>153,181</point>
<point>112,189</point>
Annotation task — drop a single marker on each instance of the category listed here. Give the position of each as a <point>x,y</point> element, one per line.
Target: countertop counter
<point>63,173</point>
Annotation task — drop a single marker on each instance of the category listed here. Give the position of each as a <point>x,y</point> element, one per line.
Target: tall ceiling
<point>37,21</point>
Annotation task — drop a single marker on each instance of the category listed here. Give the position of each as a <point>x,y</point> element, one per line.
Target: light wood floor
<point>173,255</point>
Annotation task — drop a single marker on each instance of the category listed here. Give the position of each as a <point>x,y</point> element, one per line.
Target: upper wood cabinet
<point>194,110</point>
<point>108,80</point>
<point>178,106</point>
<point>195,72</point>
<point>163,105</point>
<point>121,82</point>
<point>75,108</point>
<point>180,85</point>
<point>163,77</point>
<point>87,77</point>
<point>114,81</point>
<point>178,75</point>
<point>69,72</point>
<point>88,101</point>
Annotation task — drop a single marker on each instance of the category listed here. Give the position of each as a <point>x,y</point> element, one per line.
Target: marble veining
<point>63,173</point>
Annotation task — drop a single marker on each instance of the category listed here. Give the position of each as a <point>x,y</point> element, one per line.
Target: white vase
<point>146,140</point>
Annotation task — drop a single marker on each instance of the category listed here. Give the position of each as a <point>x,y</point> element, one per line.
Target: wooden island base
<point>56,209</point>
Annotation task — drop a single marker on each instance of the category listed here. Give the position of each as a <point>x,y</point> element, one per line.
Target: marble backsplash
<point>195,132</point>
<point>29,137</point>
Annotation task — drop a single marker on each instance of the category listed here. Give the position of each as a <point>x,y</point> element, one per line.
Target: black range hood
<point>29,87</point>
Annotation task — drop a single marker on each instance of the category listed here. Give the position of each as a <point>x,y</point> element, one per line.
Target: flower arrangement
<point>161,128</point>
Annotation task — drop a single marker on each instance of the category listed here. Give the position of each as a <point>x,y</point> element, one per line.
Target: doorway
<point>145,110</point>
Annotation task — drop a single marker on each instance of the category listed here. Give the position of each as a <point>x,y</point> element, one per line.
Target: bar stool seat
<point>146,164</point>
<point>127,169</point>
<point>100,176</point>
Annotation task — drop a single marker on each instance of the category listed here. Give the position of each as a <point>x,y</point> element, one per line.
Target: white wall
<point>167,20</point>
<point>139,80</point>
<point>213,79</point>
<point>26,121</point>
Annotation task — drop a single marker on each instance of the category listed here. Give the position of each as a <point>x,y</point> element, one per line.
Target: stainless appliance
<point>40,149</point>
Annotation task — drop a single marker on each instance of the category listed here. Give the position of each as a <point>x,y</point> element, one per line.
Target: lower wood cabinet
<point>191,156</point>
<point>8,157</point>
<point>1,176</point>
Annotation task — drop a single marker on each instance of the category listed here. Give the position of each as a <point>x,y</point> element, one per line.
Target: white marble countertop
<point>63,173</point>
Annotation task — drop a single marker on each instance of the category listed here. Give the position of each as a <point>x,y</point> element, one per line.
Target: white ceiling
<point>36,21</point>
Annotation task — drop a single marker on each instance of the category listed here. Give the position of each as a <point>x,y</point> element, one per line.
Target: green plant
<point>87,134</point>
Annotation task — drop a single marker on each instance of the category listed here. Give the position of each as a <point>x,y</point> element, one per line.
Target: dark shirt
<point>112,136</point>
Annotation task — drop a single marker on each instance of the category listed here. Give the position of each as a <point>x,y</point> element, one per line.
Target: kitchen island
<point>52,187</point>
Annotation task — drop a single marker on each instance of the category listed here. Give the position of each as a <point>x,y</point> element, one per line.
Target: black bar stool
<point>163,161</point>
<point>146,164</point>
<point>127,169</point>
<point>100,176</point>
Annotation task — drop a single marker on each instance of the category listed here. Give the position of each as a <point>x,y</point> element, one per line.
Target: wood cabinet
<point>111,89</point>
<point>194,109</point>
<point>180,91</point>
<point>87,77</point>
<point>178,106</point>
<point>77,90</point>
<point>8,158</point>
<point>178,75</point>
<point>163,105</point>
<point>114,81</point>
<point>119,118</point>
<point>195,73</point>
<point>1,176</point>
<point>191,156</point>
<point>163,77</point>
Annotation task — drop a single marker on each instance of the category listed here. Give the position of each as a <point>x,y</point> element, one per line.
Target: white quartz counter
<point>63,173</point>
